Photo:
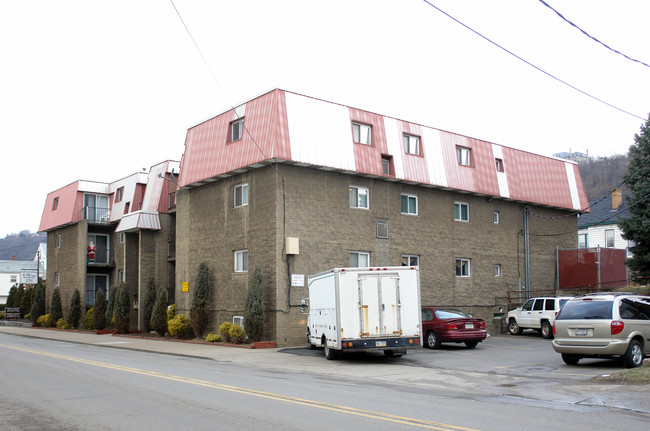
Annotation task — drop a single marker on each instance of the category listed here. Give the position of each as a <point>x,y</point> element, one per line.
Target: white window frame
<point>499,165</point>
<point>408,200</point>
<point>385,166</point>
<point>411,144</point>
<point>122,237</point>
<point>496,217</point>
<point>464,156</point>
<point>120,276</point>
<point>497,270</point>
<point>241,191</point>
<point>119,194</point>
<point>13,279</point>
<point>241,260</point>
<point>382,228</point>
<point>356,195</point>
<point>237,129</point>
<point>359,255</point>
<point>361,132</point>
<point>57,278</point>
<point>458,211</point>
<point>610,237</point>
<point>410,258</point>
<point>238,320</point>
<point>58,241</point>
<point>585,244</point>
<point>463,267</point>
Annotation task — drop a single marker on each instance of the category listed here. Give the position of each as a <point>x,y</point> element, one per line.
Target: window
<point>528,305</point>
<point>238,320</point>
<point>609,238</point>
<point>94,283</point>
<point>409,204</point>
<point>463,156</point>
<point>236,130</point>
<point>497,270</point>
<point>241,261</point>
<point>122,237</point>
<point>362,133</point>
<point>549,305</point>
<point>539,305</point>
<point>461,211</point>
<point>412,145</point>
<point>119,194</point>
<point>241,195</point>
<point>462,268</point>
<point>359,259</point>
<point>382,228</point>
<point>583,241</point>
<point>97,249</point>
<point>57,278</point>
<point>358,197</point>
<point>499,164</point>
<point>58,241</point>
<point>13,279</point>
<point>410,260</point>
<point>96,208</point>
<point>495,217</point>
<point>55,203</point>
<point>386,162</point>
<point>120,276</point>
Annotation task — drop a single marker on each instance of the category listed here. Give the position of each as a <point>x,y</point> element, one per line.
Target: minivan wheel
<point>570,359</point>
<point>513,328</point>
<point>633,355</point>
<point>547,330</point>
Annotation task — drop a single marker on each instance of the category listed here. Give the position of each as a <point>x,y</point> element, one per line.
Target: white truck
<point>359,309</point>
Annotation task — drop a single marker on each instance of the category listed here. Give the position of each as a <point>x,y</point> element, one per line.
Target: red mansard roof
<point>288,127</point>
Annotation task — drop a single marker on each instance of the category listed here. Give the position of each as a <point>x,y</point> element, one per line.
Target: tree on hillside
<point>200,311</point>
<point>254,311</point>
<point>637,226</point>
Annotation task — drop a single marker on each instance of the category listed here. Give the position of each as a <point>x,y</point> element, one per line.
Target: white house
<point>11,272</point>
<point>598,228</point>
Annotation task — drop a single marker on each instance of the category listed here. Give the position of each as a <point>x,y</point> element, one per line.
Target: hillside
<point>23,245</point>
<point>601,175</point>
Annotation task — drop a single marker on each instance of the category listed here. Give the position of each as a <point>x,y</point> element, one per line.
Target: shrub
<point>180,327</point>
<point>45,321</point>
<point>74,313</point>
<point>25,300</point>
<point>88,321</point>
<point>2,314</point>
<point>200,311</point>
<point>224,330</point>
<point>99,315</point>
<point>112,295</point>
<point>122,309</point>
<point>213,338</point>
<point>62,324</point>
<point>237,335</point>
<point>28,316</point>
<point>147,306</point>
<point>38,306</point>
<point>159,315</point>
<point>171,312</point>
<point>12,299</point>
<point>56,310</point>
<point>254,311</point>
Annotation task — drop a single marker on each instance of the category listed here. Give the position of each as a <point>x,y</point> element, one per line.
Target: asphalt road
<point>60,385</point>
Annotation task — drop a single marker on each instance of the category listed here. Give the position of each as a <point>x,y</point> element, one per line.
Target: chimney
<point>617,199</point>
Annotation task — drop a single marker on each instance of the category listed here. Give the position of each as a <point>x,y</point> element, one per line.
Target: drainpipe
<point>527,251</point>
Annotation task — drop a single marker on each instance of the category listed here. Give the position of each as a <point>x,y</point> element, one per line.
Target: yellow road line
<point>269,395</point>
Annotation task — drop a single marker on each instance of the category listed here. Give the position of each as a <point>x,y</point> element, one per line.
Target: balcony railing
<point>96,214</point>
<point>101,256</point>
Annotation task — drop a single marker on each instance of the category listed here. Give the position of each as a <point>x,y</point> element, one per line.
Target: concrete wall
<point>313,205</point>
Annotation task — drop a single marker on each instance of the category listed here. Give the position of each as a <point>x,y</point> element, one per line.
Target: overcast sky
<point>98,90</point>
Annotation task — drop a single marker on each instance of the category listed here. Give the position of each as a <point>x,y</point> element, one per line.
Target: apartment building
<point>297,185</point>
<point>101,234</point>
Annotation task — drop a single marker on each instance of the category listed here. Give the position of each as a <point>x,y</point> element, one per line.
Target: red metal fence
<point>595,268</point>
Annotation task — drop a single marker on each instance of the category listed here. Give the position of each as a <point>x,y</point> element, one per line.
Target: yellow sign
<point>186,286</point>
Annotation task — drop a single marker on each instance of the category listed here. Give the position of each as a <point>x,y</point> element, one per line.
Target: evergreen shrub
<point>159,314</point>
<point>74,313</point>
<point>213,338</point>
<point>180,327</point>
<point>56,309</point>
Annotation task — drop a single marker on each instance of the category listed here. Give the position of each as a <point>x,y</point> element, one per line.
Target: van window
<point>631,309</point>
<point>586,310</point>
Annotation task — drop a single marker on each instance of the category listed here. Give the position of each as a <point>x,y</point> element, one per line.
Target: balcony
<point>101,257</point>
<point>96,214</point>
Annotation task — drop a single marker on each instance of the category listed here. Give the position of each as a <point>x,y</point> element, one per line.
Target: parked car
<point>442,325</point>
<point>611,325</point>
<point>536,313</point>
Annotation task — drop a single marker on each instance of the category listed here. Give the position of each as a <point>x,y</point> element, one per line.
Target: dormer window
<point>499,164</point>
<point>119,194</point>
<point>411,145</point>
<point>236,130</point>
<point>463,155</point>
<point>55,203</point>
<point>362,133</point>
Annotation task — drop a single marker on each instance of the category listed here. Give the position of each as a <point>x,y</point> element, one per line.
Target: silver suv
<point>536,313</point>
<point>604,325</point>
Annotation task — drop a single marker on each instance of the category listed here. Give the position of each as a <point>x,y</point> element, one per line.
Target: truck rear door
<point>379,305</point>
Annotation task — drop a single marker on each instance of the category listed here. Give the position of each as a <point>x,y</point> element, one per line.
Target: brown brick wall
<point>313,205</point>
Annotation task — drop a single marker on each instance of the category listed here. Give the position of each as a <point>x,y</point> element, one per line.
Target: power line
<point>531,64</point>
<point>590,36</point>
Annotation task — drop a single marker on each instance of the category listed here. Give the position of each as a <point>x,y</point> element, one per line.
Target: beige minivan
<point>604,325</point>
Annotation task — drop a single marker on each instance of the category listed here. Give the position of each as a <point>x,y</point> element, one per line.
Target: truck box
<point>359,309</point>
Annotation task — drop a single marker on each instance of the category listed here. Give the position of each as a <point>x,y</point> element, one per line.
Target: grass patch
<point>633,376</point>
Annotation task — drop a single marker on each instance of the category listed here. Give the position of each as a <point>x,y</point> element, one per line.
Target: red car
<point>442,325</point>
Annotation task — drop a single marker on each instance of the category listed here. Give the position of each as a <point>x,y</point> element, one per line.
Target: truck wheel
<point>311,346</point>
<point>330,354</point>
<point>392,354</point>
<point>513,328</point>
<point>547,330</point>
<point>432,340</point>
<point>633,355</point>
